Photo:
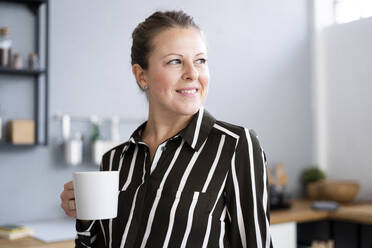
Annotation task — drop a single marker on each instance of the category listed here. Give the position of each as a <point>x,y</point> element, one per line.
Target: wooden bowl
<point>333,190</point>
<point>340,191</point>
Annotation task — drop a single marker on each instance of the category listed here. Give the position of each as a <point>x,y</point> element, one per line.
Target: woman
<point>186,179</point>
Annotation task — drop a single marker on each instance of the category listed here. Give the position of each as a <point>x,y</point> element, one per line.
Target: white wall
<point>348,77</point>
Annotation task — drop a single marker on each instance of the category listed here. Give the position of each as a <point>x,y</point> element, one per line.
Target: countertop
<point>300,211</point>
<point>31,242</point>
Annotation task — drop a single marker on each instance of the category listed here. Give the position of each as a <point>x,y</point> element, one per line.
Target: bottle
<point>97,142</point>
<point>5,47</point>
<point>33,61</point>
<point>17,62</point>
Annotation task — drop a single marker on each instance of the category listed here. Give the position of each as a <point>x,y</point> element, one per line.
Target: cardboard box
<point>21,132</point>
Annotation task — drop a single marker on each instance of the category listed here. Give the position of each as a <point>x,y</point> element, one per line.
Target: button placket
<point>158,155</point>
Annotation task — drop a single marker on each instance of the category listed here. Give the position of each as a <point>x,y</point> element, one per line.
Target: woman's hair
<point>145,32</point>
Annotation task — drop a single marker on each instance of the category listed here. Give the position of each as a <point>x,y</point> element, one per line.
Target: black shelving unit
<point>4,146</point>
<point>38,76</point>
<point>26,72</point>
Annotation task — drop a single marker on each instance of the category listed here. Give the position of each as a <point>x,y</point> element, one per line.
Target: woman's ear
<point>139,74</point>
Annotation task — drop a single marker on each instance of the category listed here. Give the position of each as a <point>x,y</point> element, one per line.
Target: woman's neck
<point>162,126</point>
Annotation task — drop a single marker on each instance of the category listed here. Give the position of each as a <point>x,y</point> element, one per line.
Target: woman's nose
<point>190,72</point>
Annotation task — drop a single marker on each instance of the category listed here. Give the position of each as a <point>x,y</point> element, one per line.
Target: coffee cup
<point>96,194</point>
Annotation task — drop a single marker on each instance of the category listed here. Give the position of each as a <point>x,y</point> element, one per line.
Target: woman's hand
<point>68,200</point>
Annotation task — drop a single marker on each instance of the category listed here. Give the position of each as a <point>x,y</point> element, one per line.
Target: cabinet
<point>284,235</point>
<point>350,226</point>
<point>40,77</point>
<point>345,234</point>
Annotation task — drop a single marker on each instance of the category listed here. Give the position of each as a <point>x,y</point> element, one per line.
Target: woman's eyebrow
<point>202,53</point>
<point>173,54</point>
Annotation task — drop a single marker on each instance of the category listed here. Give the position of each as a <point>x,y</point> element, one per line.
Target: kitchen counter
<point>31,242</point>
<point>300,212</point>
<point>360,214</point>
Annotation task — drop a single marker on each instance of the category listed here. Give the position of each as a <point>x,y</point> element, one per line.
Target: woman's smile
<point>188,92</point>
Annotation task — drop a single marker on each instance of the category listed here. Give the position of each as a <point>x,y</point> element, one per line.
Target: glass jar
<point>5,48</point>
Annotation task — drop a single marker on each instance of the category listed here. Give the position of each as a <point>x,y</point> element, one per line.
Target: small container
<point>74,150</point>
<point>5,47</point>
<point>33,61</point>
<point>17,62</point>
<point>21,132</point>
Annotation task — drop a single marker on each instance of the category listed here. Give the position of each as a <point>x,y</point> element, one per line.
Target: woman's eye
<point>174,62</point>
<point>201,61</point>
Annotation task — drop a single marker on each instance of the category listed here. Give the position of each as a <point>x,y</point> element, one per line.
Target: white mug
<point>96,194</point>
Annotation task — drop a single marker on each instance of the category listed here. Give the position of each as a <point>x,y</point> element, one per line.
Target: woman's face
<point>177,76</point>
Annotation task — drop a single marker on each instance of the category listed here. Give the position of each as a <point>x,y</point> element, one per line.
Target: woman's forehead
<point>179,41</point>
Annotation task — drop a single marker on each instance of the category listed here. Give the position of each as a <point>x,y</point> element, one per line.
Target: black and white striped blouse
<point>206,187</point>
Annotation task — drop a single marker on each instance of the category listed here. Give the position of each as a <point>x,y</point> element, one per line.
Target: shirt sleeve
<point>86,237</point>
<point>247,196</point>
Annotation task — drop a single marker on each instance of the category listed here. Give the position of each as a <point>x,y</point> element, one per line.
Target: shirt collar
<point>137,134</point>
<point>195,133</point>
<point>198,129</point>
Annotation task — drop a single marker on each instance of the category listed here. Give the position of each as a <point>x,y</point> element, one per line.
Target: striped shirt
<point>205,187</point>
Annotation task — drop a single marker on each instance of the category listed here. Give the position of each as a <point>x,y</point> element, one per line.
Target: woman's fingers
<point>70,213</point>
<point>68,200</point>
<point>67,195</point>
<point>69,208</point>
<point>71,205</point>
<point>73,214</point>
<point>69,186</point>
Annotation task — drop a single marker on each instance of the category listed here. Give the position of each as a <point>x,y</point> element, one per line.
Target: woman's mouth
<point>187,92</point>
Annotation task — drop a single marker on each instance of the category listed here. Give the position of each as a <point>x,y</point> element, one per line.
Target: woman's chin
<point>189,109</point>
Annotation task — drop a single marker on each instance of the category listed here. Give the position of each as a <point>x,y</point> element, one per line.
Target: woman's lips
<point>187,92</point>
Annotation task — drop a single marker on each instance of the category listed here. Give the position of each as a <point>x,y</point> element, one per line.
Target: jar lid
<point>4,31</point>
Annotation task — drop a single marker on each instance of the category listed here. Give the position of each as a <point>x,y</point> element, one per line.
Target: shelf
<point>36,2</point>
<point>8,145</point>
<point>24,72</point>
<point>40,10</point>
<point>33,5</point>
